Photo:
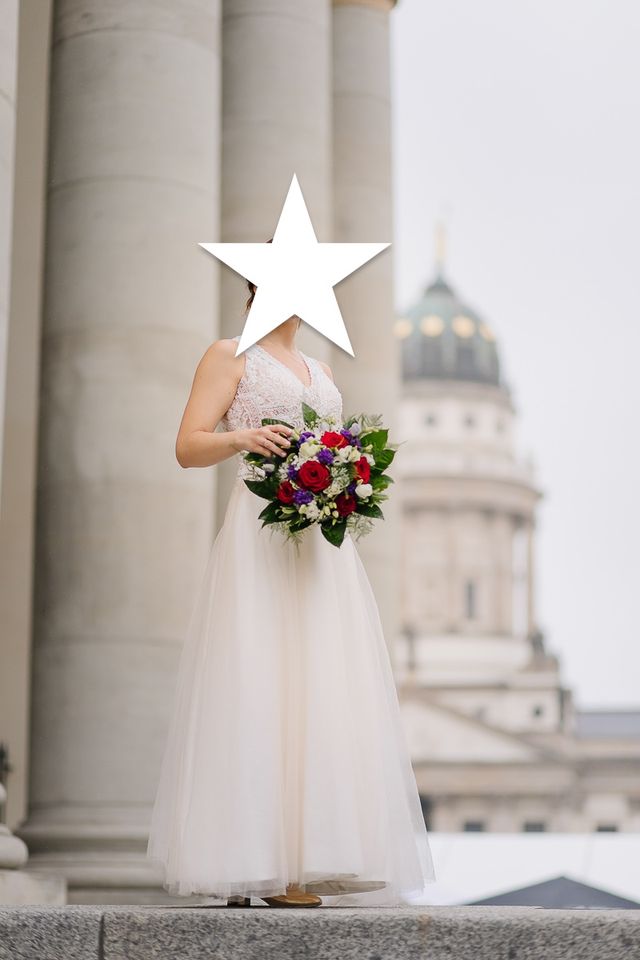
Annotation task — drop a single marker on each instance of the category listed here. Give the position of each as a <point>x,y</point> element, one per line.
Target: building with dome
<point>496,741</point>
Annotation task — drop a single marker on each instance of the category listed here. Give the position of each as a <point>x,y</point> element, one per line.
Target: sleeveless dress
<point>286,759</point>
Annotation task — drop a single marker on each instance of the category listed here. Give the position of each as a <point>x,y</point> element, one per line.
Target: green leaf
<point>334,533</point>
<point>267,420</point>
<point>383,458</point>
<point>300,524</point>
<point>270,512</point>
<point>376,437</point>
<point>380,482</point>
<point>262,488</point>
<point>370,510</point>
<point>309,414</point>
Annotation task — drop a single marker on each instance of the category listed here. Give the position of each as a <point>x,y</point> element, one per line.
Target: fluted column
<point>362,212</point>
<point>276,121</point>
<point>122,532</point>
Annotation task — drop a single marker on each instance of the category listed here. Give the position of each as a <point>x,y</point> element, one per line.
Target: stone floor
<point>344,933</point>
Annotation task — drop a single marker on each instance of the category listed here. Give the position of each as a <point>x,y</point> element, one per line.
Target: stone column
<point>122,532</point>
<point>362,212</point>
<point>531,610</point>
<point>8,72</point>
<point>276,121</point>
<point>13,852</point>
<point>20,426</point>
<point>454,586</point>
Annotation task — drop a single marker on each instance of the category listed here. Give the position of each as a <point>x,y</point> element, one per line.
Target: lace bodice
<point>268,388</point>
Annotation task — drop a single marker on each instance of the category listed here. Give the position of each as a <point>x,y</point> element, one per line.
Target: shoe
<point>235,900</point>
<point>333,888</point>
<point>294,897</point>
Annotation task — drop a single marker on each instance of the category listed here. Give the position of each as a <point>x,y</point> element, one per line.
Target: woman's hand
<point>271,438</point>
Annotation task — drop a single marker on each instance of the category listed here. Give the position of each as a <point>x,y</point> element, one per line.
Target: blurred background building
<point>497,743</point>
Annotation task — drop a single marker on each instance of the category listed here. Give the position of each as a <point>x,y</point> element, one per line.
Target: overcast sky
<point>519,122</point>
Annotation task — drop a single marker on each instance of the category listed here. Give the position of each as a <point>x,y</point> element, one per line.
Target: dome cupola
<point>443,338</point>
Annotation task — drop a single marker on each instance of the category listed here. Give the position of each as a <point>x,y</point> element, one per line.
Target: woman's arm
<point>214,386</point>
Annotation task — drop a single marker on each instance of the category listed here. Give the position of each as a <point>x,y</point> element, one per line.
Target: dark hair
<point>252,287</point>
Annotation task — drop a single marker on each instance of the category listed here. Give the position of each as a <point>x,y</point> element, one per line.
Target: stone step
<point>323,933</point>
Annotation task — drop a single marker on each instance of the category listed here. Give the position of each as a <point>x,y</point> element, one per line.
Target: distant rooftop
<point>608,723</point>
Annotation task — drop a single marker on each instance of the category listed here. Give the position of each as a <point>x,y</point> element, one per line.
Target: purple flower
<point>351,486</point>
<point>292,472</point>
<point>325,456</point>
<point>305,435</point>
<point>302,496</point>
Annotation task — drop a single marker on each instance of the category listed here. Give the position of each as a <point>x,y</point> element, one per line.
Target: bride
<point>285,775</point>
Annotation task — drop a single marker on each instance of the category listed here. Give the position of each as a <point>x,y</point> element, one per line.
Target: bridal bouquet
<point>333,474</point>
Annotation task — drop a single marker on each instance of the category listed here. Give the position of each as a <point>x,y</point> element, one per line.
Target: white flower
<point>369,458</point>
<point>354,429</point>
<point>269,467</point>
<point>364,490</point>
<point>259,473</point>
<point>308,449</point>
<point>310,510</point>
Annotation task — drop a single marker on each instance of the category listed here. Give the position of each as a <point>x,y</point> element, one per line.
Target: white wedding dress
<point>286,759</point>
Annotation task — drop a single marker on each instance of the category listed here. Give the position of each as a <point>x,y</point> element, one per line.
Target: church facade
<point>496,740</point>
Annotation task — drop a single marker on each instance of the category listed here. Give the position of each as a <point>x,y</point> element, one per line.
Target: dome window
<point>463,326</point>
<point>432,325</point>
<point>402,328</point>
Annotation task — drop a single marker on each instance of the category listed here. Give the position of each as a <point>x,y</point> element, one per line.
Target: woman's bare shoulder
<point>220,352</point>
<point>219,364</point>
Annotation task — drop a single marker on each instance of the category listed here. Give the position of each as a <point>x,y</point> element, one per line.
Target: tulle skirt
<point>285,760</point>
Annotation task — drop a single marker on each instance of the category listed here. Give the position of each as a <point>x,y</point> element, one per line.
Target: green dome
<point>442,338</point>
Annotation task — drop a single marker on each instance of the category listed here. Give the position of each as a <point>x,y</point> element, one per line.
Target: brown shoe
<point>294,897</point>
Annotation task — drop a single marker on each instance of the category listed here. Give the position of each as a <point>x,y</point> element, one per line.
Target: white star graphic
<point>295,274</point>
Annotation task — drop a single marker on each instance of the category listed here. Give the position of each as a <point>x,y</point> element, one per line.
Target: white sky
<point>519,122</point>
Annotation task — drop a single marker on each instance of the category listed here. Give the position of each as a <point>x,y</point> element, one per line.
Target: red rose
<point>331,439</point>
<point>345,504</point>
<point>363,469</point>
<point>314,476</point>
<point>285,492</point>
